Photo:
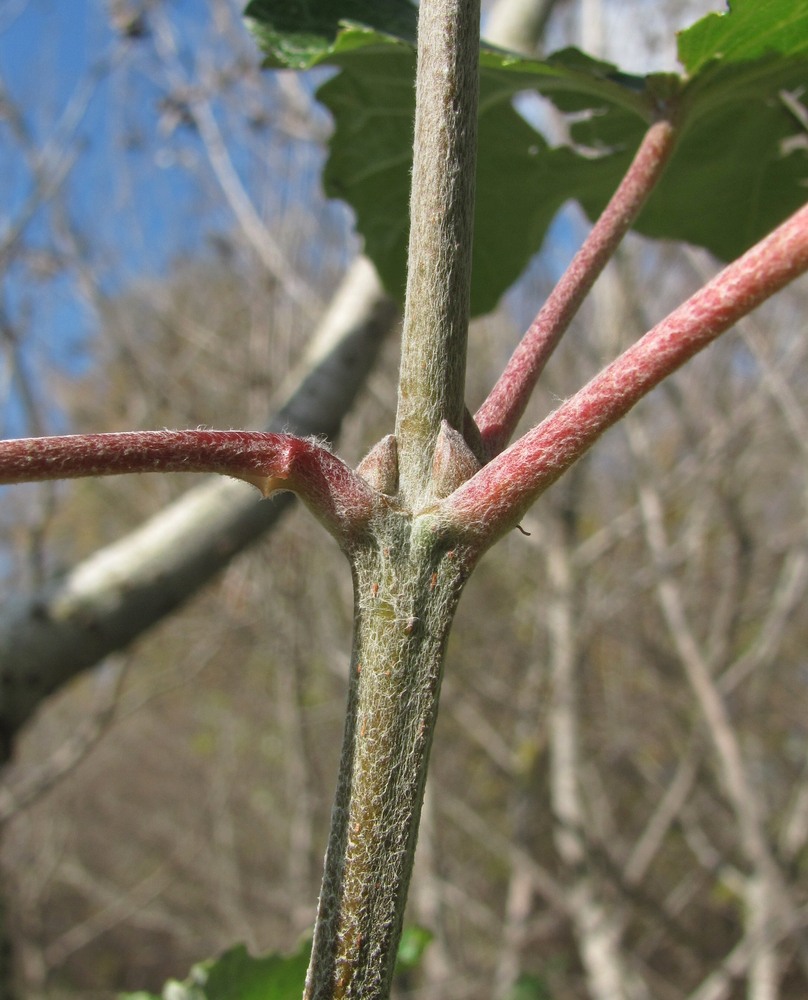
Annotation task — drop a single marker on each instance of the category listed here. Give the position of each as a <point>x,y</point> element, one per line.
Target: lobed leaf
<point>741,165</point>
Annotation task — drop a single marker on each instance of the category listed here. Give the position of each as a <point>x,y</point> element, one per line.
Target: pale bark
<point>598,926</point>
<point>519,902</point>
<point>120,591</point>
<point>518,25</point>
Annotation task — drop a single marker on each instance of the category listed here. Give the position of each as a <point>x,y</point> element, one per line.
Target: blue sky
<point>130,197</point>
<point>139,194</point>
<point>47,55</point>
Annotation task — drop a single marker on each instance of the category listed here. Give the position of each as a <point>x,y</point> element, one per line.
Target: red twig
<point>496,497</point>
<point>271,462</point>
<point>499,414</point>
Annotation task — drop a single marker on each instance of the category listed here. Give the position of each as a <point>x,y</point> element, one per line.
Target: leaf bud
<point>379,468</point>
<point>453,463</point>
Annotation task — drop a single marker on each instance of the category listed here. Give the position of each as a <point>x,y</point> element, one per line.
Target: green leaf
<point>732,178</point>
<point>238,976</point>
<point>521,182</point>
<point>529,987</point>
<point>414,942</point>
<point>298,34</point>
<point>743,157</point>
<point>739,169</point>
<point>755,28</point>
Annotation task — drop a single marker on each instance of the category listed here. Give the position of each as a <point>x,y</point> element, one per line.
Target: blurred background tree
<point>618,804</point>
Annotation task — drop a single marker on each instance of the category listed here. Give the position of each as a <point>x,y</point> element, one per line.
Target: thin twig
<point>17,794</point>
<point>499,414</point>
<point>496,498</point>
<point>339,497</point>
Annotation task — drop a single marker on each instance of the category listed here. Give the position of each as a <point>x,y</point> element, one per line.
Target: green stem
<point>433,360</point>
<point>407,577</point>
<point>406,590</point>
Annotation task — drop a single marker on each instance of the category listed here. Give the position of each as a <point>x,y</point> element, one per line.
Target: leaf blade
<point>740,168</point>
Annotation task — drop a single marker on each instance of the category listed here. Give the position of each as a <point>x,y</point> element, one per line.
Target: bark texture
<point>407,584</point>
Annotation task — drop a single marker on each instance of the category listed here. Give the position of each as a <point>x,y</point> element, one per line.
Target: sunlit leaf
<point>741,165</point>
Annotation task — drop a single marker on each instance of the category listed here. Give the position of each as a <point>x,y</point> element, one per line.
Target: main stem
<point>406,590</point>
<point>407,572</point>
<point>436,313</point>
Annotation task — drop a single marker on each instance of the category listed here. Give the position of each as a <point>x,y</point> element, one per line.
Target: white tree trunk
<point>120,591</point>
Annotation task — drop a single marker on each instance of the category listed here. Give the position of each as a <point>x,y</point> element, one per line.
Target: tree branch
<point>114,595</point>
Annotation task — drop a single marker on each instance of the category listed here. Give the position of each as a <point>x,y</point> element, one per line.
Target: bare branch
<point>598,926</point>
<point>20,793</point>
<point>769,911</point>
<point>269,251</point>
